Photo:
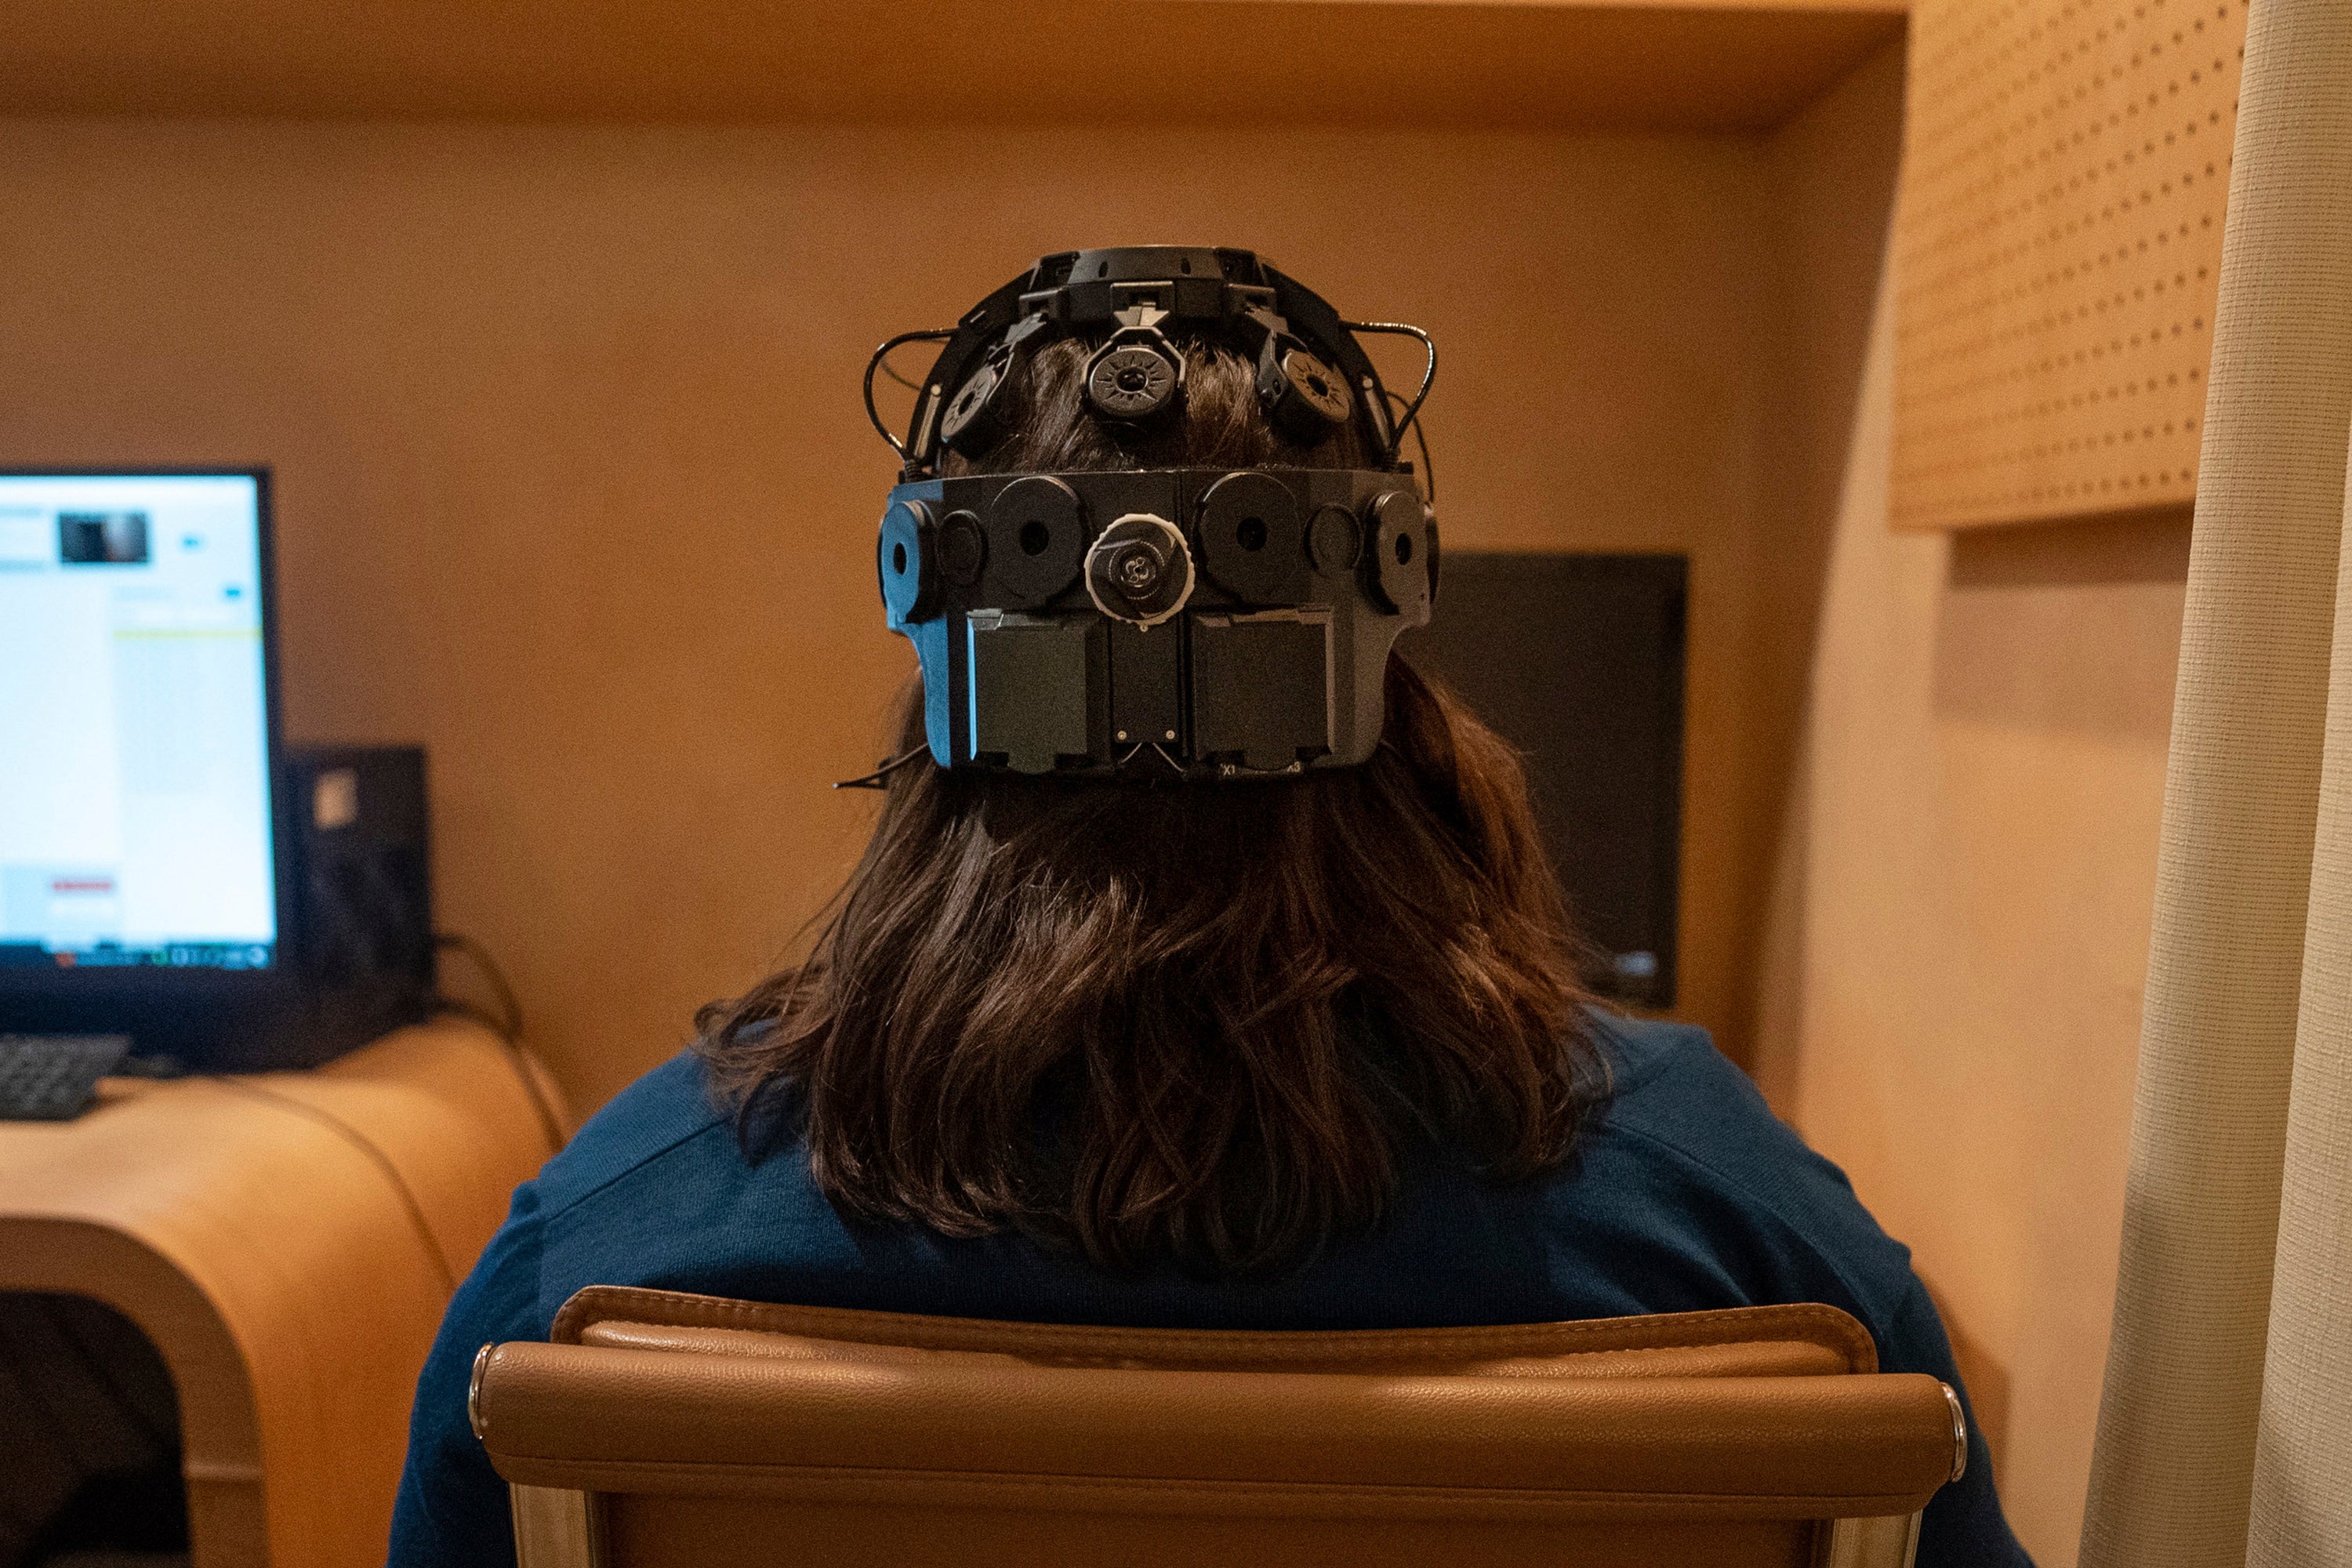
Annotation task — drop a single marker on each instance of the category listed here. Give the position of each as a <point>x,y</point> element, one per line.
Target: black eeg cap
<point>1195,623</point>
<point>1312,373</point>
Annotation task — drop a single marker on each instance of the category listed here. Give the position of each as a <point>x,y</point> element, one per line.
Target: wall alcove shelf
<point>514,294</point>
<point>1703,65</point>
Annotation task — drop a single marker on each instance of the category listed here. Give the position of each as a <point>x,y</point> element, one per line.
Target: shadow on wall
<point>2012,652</point>
<point>1986,1375</point>
<point>1834,170</point>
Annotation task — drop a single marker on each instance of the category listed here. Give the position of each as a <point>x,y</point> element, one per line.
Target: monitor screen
<point>1577,660</point>
<point>135,821</point>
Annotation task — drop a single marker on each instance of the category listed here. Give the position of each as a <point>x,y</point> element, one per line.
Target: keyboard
<point>54,1077</point>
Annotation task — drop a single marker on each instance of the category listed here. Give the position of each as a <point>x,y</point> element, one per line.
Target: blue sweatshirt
<point>1685,1192</point>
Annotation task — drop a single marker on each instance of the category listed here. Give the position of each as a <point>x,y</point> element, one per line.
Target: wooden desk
<point>252,1229</point>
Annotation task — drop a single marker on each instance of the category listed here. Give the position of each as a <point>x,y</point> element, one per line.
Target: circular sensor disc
<point>967,404</point>
<point>1397,558</point>
<point>1036,534</point>
<point>904,557</point>
<point>964,548</point>
<point>1334,540</point>
<point>1140,570</point>
<point>1317,382</point>
<point>1251,540</point>
<point>1130,381</point>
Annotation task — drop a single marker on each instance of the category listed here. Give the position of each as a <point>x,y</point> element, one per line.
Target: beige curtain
<point>2225,1430</point>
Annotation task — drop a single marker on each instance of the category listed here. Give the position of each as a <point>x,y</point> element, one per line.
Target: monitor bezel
<point>165,1007</point>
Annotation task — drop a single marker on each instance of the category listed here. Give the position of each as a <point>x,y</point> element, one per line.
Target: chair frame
<point>558,1528</point>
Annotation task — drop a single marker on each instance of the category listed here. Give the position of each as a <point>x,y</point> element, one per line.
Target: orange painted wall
<point>1958,927</point>
<point>574,487</point>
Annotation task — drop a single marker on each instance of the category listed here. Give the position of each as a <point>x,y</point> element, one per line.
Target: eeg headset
<point>1193,623</point>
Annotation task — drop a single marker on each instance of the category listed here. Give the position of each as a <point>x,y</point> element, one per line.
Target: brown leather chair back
<point>662,1429</point>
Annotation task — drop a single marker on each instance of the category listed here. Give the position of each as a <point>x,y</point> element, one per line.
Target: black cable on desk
<point>507,1024</point>
<point>365,1145</point>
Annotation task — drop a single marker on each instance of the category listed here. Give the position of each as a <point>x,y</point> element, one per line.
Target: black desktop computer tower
<point>362,956</point>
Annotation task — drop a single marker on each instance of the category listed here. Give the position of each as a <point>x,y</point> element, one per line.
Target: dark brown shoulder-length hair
<point>1194,1023</point>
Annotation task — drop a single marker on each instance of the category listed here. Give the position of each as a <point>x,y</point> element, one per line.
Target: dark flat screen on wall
<point>1578,662</point>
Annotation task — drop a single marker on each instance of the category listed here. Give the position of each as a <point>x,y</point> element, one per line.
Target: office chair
<point>661,1429</point>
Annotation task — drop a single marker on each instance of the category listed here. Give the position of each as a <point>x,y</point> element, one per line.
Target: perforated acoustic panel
<point>2058,247</point>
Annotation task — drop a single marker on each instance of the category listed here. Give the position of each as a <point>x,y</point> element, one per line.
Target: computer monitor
<point>1577,660</point>
<point>144,874</point>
